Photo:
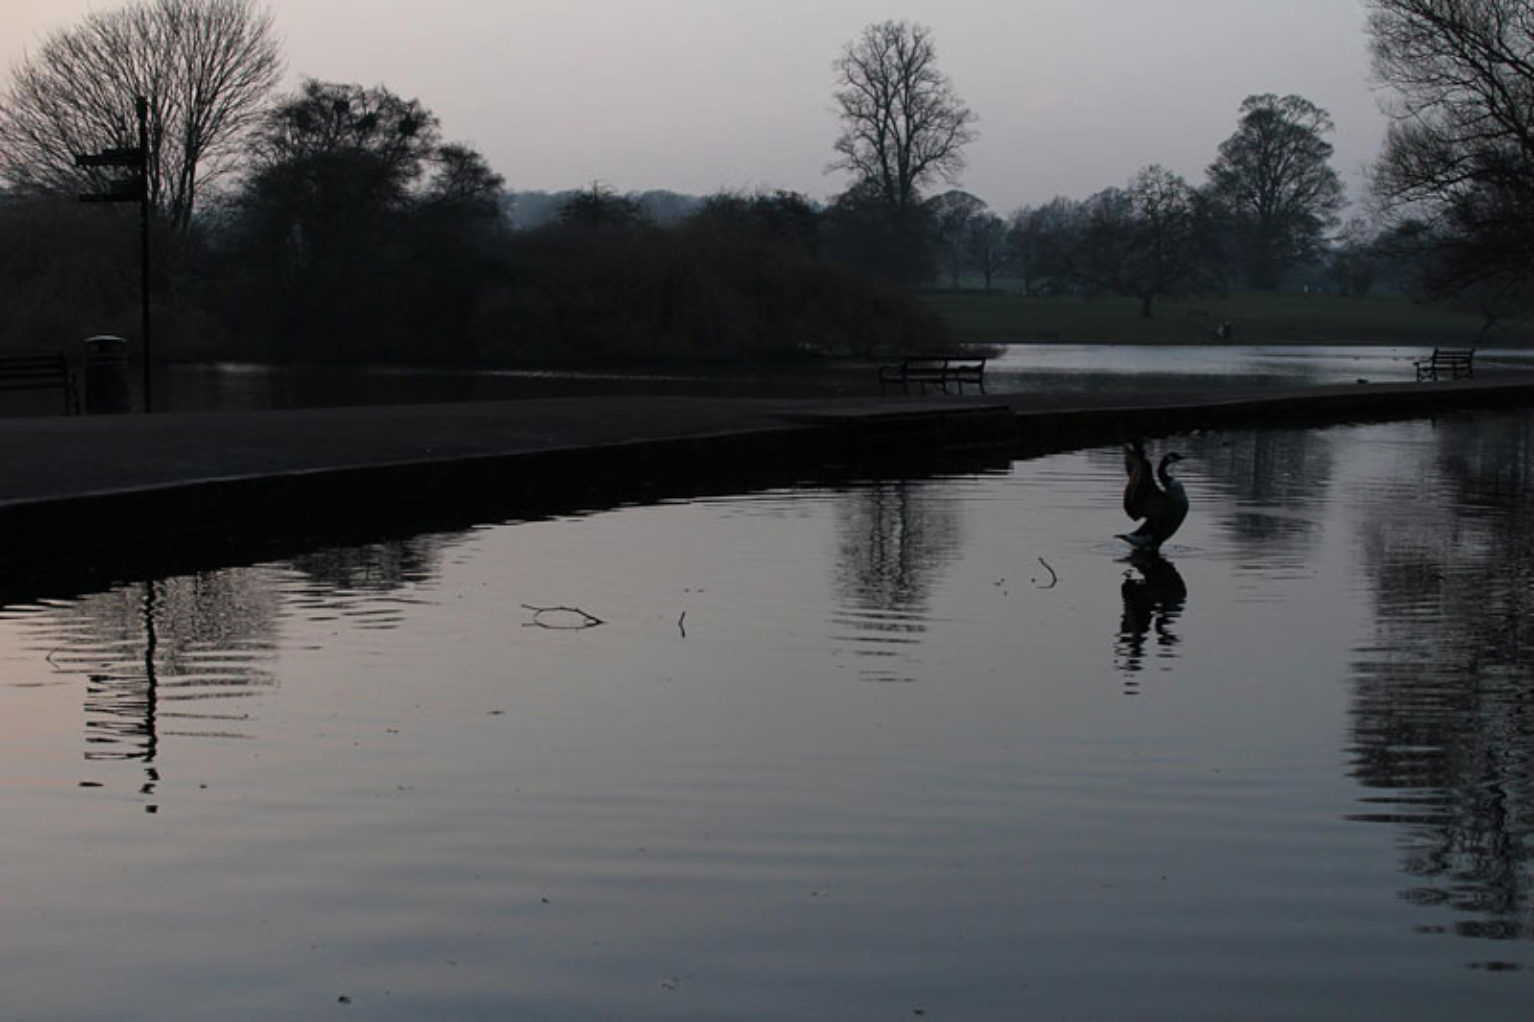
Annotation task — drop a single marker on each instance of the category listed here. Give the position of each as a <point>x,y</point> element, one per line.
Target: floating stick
<point>586,620</point>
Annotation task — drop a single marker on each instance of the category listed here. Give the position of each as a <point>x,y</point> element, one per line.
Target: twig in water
<point>1054,579</point>
<point>583,619</point>
<point>681,624</point>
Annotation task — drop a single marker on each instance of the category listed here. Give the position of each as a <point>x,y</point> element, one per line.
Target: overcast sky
<point>700,95</point>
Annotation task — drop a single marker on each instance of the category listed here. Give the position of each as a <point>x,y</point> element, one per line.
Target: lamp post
<point>131,189</point>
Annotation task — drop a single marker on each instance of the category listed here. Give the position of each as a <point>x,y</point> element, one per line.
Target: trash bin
<point>106,375</point>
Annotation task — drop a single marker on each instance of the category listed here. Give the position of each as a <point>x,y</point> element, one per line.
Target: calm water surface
<point>1097,367</point>
<point>1019,368</point>
<point>927,748</point>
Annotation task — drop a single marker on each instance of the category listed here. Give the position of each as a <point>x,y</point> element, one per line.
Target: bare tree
<point>985,240</point>
<point>205,67</point>
<point>378,138</point>
<point>902,124</point>
<point>601,208</point>
<point>1033,233</point>
<point>1274,179</point>
<point>331,167</point>
<point>1459,156</point>
<point>464,180</point>
<point>1152,239</point>
<point>951,214</point>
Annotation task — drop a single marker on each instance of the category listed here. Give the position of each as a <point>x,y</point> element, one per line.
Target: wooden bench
<point>40,372</point>
<point>940,371</point>
<point>1457,363</point>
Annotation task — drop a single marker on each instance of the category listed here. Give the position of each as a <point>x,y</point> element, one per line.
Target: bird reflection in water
<point>1154,594</point>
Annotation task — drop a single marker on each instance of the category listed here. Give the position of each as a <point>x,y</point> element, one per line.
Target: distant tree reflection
<point>178,657</point>
<point>1154,595</point>
<point>1265,469</point>
<point>375,567</point>
<point>171,657</point>
<point>1255,471</point>
<point>1443,708</point>
<point>893,540</point>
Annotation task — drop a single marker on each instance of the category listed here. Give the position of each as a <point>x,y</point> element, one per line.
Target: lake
<point>899,748</point>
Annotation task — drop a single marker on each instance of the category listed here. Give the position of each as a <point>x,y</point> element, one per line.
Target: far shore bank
<point>1248,317</point>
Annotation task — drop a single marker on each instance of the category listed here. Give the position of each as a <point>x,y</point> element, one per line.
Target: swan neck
<point>1164,472</point>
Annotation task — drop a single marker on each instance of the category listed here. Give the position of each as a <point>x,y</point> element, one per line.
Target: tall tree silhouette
<point>351,186</point>
<point>1275,183</point>
<point>206,68</point>
<point>1459,155</point>
<point>1150,240</point>
<point>903,126</point>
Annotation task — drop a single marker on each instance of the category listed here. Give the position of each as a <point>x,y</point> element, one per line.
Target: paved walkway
<point>68,457</point>
<point>88,502</point>
<point>46,460</point>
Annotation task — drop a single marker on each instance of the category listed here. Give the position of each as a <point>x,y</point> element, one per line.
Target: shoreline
<point>87,501</point>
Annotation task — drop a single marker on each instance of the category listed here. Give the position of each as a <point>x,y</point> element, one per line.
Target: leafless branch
<point>902,123</point>
<point>205,67</point>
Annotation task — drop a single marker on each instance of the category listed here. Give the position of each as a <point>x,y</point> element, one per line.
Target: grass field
<point>1256,317</point>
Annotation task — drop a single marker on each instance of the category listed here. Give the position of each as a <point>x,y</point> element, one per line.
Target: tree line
<point>1449,214</point>
<point>1266,216</point>
<point>1262,217</point>
<point>337,222</point>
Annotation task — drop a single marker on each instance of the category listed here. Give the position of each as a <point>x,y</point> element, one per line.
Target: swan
<point>1162,507</point>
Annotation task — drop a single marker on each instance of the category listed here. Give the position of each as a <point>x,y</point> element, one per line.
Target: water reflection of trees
<point>172,657</point>
<point>1265,469</point>
<point>364,584</point>
<point>180,657</point>
<point>375,567</point>
<point>1443,709</point>
<point>893,539</point>
<point>1256,470</point>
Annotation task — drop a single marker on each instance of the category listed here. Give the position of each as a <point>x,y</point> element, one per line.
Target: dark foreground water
<point>927,748</point>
